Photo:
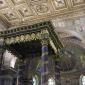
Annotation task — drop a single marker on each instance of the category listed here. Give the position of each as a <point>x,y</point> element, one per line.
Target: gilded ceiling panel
<point>59,3</point>
<point>33,2</point>
<point>9,14</point>
<point>17,1</point>
<point>42,8</point>
<point>75,2</point>
<point>32,11</point>
<point>3,4</point>
<point>24,10</point>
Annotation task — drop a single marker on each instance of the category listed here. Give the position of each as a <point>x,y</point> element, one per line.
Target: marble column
<point>57,72</point>
<point>44,65</point>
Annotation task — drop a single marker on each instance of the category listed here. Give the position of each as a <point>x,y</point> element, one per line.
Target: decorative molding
<point>32,32</point>
<point>23,38</point>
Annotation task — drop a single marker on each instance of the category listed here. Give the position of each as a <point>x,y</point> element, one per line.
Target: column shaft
<point>57,72</point>
<point>44,66</point>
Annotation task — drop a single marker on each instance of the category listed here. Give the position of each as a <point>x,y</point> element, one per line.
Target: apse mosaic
<point>42,9</point>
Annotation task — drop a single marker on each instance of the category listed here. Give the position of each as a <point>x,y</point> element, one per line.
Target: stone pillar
<point>57,72</point>
<point>44,65</point>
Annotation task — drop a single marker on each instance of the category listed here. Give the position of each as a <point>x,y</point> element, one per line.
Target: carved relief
<point>26,37</point>
<point>2,4</point>
<point>41,8</point>
<point>59,3</point>
<point>24,10</point>
<point>10,15</point>
<point>75,2</point>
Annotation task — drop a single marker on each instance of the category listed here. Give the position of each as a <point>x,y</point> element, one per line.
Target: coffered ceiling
<point>19,12</point>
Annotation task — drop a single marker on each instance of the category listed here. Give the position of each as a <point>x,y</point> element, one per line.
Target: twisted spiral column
<point>44,65</point>
<point>57,72</point>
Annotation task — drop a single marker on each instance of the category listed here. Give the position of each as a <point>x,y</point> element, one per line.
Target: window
<point>51,81</point>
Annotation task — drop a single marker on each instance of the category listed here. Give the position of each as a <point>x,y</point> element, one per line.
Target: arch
<point>69,33</point>
<point>75,42</point>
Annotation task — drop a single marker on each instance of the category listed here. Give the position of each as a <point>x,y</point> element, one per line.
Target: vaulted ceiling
<point>19,12</point>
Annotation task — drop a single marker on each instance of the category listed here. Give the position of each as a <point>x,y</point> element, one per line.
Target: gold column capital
<point>44,42</point>
<point>44,38</point>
